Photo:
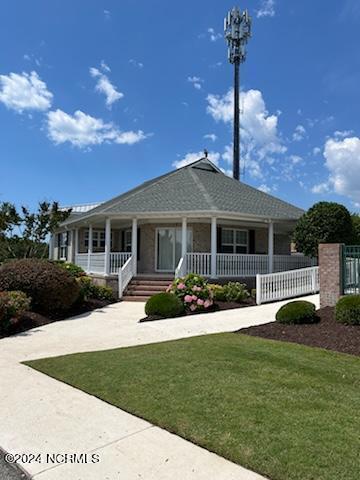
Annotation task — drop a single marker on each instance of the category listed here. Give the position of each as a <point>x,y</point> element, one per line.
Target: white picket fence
<point>293,283</point>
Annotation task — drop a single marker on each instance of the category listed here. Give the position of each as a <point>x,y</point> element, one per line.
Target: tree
<point>24,235</point>
<point>355,217</point>
<point>324,222</point>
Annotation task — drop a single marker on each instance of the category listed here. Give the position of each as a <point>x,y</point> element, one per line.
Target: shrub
<point>253,293</point>
<point>73,269</point>
<point>347,310</point>
<point>193,291</point>
<point>164,304</point>
<point>297,312</point>
<point>235,292</point>
<point>218,292</point>
<point>89,290</point>
<point>13,304</point>
<point>50,288</point>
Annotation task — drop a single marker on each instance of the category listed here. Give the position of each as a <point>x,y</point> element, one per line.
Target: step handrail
<point>126,273</point>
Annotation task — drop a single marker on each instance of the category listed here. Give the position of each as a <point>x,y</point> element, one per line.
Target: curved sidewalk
<point>42,415</point>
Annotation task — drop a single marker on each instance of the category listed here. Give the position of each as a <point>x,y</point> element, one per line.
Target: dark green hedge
<point>347,310</point>
<point>165,305</point>
<point>297,312</point>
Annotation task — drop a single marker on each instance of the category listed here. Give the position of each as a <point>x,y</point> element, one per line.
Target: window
<point>127,240</point>
<point>98,239</point>
<point>234,241</point>
<point>63,241</point>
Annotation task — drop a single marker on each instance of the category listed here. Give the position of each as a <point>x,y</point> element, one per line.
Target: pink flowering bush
<point>193,290</point>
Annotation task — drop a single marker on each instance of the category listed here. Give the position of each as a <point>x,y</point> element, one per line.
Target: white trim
<point>107,245</point>
<point>134,245</point>
<point>271,247</point>
<point>213,246</point>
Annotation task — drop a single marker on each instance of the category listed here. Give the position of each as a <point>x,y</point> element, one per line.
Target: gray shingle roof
<point>198,187</point>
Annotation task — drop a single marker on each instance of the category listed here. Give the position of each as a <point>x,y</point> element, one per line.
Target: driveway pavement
<point>42,416</point>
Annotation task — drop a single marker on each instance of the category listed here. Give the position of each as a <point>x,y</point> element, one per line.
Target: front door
<point>168,248</point>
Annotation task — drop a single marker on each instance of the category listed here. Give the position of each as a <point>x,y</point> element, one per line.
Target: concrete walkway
<point>41,415</point>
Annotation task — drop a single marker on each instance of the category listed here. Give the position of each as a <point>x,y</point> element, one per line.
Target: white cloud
<point>259,129</point>
<point>213,35</point>
<point>107,14</point>
<point>103,85</point>
<point>343,133</point>
<point>264,188</point>
<point>343,162</point>
<point>299,133</point>
<point>135,63</point>
<point>196,81</point>
<point>316,151</point>
<point>24,91</point>
<point>321,188</point>
<point>82,130</point>
<point>267,9</point>
<point>193,156</point>
<point>105,67</point>
<point>295,159</point>
<point>211,136</point>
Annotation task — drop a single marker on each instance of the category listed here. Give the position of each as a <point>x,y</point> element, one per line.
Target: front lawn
<point>283,410</point>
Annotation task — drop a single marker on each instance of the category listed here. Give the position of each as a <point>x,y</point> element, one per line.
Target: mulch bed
<point>218,306</point>
<point>31,319</point>
<point>327,333</point>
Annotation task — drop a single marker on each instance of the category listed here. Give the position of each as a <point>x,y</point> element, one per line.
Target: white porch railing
<point>199,263</point>
<point>237,265</point>
<point>81,259</point>
<point>95,262</point>
<point>117,260</point>
<point>281,285</point>
<point>126,272</point>
<point>243,265</point>
<point>292,262</point>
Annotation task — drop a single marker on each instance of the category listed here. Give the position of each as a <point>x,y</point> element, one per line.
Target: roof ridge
<point>203,189</point>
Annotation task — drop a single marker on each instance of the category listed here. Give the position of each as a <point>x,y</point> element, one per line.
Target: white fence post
<point>258,289</point>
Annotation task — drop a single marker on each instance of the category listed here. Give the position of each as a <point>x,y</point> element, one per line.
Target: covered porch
<point>214,247</point>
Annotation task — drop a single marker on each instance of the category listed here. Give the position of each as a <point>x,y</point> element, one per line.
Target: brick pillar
<point>330,273</point>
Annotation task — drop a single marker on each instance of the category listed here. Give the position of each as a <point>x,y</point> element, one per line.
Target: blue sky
<point>96,97</point>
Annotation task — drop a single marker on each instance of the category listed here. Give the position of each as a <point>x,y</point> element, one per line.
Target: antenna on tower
<point>237,31</point>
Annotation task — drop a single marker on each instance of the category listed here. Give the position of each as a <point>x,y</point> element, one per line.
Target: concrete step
<point>156,283</point>
<point>163,278</point>
<point>145,286</point>
<point>141,293</point>
<point>133,298</point>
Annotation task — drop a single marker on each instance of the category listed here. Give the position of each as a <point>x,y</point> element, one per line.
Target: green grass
<point>286,411</point>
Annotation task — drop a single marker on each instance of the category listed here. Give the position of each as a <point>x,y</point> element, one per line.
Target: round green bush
<point>50,287</point>
<point>297,312</point>
<point>12,305</point>
<point>165,305</point>
<point>347,310</point>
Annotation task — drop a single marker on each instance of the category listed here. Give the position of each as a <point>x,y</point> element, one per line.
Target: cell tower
<point>237,31</point>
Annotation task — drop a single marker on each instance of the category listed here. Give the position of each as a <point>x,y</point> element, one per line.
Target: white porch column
<point>134,245</point>
<point>90,247</point>
<point>184,237</point>
<point>107,246</point>
<point>213,247</point>
<point>271,247</point>
<point>70,246</point>
<point>76,242</point>
<point>51,246</point>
